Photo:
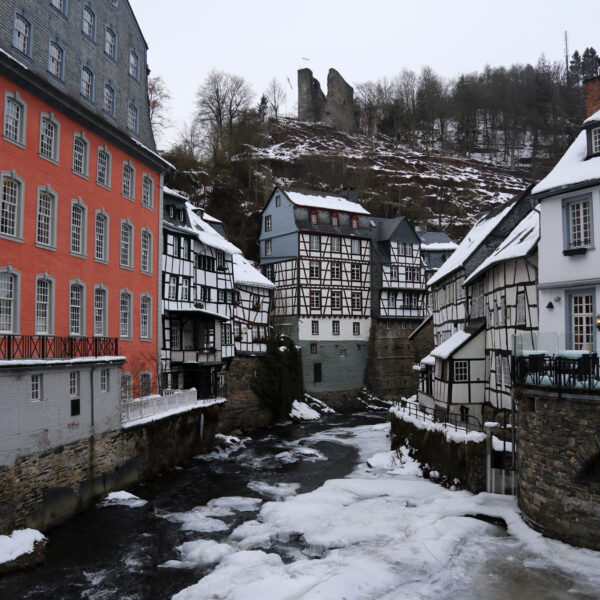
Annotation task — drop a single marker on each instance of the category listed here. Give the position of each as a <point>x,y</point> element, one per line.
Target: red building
<point>80,193</point>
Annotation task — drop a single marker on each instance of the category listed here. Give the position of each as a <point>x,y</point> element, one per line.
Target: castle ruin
<point>336,109</point>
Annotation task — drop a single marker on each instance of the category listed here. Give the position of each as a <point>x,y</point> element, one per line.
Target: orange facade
<point>30,260</point>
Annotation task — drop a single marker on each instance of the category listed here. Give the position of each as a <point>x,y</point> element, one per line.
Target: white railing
<point>148,406</point>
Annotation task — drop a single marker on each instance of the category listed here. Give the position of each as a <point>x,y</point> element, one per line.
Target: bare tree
<point>158,104</point>
<point>276,96</point>
<point>368,100</point>
<point>221,100</point>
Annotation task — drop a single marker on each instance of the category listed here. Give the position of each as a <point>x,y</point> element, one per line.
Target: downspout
<point>92,396</point>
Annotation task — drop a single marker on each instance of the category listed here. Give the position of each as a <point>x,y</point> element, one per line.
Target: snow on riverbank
<point>18,543</point>
<point>384,532</point>
<point>303,412</point>
<point>123,499</point>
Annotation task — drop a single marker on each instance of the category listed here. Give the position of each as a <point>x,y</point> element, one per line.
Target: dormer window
<point>314,218</point>
<point>354,222</point>
<point>335,220</point>
<point>595,140</point>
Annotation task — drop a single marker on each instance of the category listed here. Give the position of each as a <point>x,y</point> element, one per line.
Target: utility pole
<point>566,55</point>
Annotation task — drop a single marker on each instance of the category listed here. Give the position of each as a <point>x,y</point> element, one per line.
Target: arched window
<point>145,317</point>
<point>314,217</point>
<point>22,35</point>
<point>87,83</point>
<point>76,309</point>
<point>100,311</point>
<point>9,301</point>
<point>335,220</point>
<point>132,117</point>
<point>146,252</point>
<point>125,314</point>
<point>354,222</point>
<point>134,64</point>
<point>80,154</point>
<point>126,244</point>
<point>15,118</point>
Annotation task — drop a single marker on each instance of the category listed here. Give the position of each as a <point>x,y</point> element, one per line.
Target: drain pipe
<point>92,396</point>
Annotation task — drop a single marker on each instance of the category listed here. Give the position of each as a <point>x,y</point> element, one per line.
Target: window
<point>394,273</point>
<point>506,371</point>
<point>226,335</point>
<point>354,222</point>
<point>55,60</point>
<point>8,303</point>
<point>356,301</point>
<point>221,296</point>
<point>277,200</point>
<point>126,252</point>
<point>355,272</point>
<point>343,353</point>
<point>413,274</point>
<point>268,247</point>
<point>582,321</point>
<point>206,263</point>
<point>145,383</point>
<point>36,388</point>
<point>335,220</point>
<point>314,217</point>
<point>336,300</point>
<point>74,392</point>
<point>268,223</point>
<point>101,237</point>
<point>521,314</point>
<point>579,228</point>
<point>147,191</point>
<point>58,4</point>
<point>461,371</point>
<point>100,312</point>
<point>315,269</point>
<point>132,117</point>
<point>315,299</point>
<point>46,219</point>
<point>22,35</point>
<point>103,173</point>
<point>317,373</point>
<point>185,289</point>
<point>145,317</point>
<point>314,327</point>
<point>89,22</point>
<point>15,118</point>
<point>336,244</point>
<point>49,138</point>
<point>128,183</point>
<point>313,348</point>
<point>172,290</point>
<point>269,272</point>
<point>76,305</point>
<point>110,43</point>
<point>464,414</point>
<point>355,246</point>
<point>184,251</point>
<point>315,243</point>
<point>335,328</point>
<point>108,100</point>
<point>43,306</point>
<point>498,370</point>
<point>87,83</point>
<point>80,155</point>
<point>134,64</point>
<point>356,328</point>
<point>104,380</point>
<point>125,315</point>
<point>392,299</point>
<point>126,386</point>
<point>205,294</point>
<point>336,270</point>
<point>78,214</point>
<point>146,252</point>
<point>595,135</point>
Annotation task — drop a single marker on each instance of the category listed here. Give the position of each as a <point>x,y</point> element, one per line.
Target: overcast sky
<point>364,40</point>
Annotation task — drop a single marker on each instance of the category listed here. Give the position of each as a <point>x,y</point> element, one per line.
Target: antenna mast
<point>566,54</point>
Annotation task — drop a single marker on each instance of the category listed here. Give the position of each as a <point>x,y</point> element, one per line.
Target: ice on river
<point>276,491</point>
<point>199,552</point>
<point>385,532</point>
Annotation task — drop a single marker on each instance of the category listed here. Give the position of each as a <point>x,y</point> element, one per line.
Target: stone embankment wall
<point>558,473</point>
<point>465,461</point>
<point>46,488</point>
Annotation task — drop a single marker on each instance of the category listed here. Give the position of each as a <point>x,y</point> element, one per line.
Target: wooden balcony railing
<point>16,347</point>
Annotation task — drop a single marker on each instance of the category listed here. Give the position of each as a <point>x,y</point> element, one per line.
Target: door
<point>317,375</point>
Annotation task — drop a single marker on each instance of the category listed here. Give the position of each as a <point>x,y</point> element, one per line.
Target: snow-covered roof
<point>470,243</point>
<point>428,360</point>
<point>177,193</point>
<point>573,167</point>
<point>246,274</point>
<point>451,345</point>
<point>440,246</point>
<point>326,202</point>
<point>206,234</point>
<point>520,242</point>
<point>210,219</point>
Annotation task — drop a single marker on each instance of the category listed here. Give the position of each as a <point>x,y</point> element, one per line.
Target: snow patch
<point>19,542</point>
<point>278,491</point>
<point>303,412</point>
<point>199,552</point>
<point>123,498</point>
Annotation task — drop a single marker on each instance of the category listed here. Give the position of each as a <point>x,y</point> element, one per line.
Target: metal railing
<point>14,347</point>
<point>149,406</point>
<point>561,372</point>
<point>437,415</point>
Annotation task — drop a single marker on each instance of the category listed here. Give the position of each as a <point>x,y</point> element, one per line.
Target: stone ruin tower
<point>336,109</point>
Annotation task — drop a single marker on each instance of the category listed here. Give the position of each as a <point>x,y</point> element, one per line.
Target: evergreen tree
<point>262,108</point>
<point>575,68</point>
<point>589,63</point>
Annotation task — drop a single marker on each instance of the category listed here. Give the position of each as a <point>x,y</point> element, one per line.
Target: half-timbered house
<point>316,248</point>
<point>254,294</point>
<point>198,300</point>
<point>436,248</point>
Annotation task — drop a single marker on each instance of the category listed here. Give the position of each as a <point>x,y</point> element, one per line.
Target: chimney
<point>591,87</point>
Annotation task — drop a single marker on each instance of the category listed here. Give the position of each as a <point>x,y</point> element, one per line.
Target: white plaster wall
<point>325,335</point>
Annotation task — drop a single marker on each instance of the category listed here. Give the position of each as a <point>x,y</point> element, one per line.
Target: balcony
<point>208,354</point>
<point>23,347</point>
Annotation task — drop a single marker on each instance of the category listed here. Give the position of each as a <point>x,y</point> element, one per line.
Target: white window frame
<point>268,223</point>
<point>128,180</point>
<point>268,247</point>
<point>136,65</point>
<point>101,244</point>
<point>105,181</point>
<point>133,116</point>
<point>355,246</point>
<point>315,269</point>
<point>146,253</point>
<point>54,146</point>
<point>22,40</point>
<point>76,310</point>
<point>82,250</point>
<point>579,222</point>
<point>145,318</point>
<point>314,327</point>
<point>126,252</point>
<point>109,109</point>
<point>14,98</point>
<point>336,300</point>
<point>595,140</point>
<point>356,328</point>
<point>315,299</point>
<point>335,327</point>
<point>125,317</point>
<point>39,304</point>
<point>46,220</point>
<point>105,380</point>
<point>314,242</point>
<point>185,287</point>
<point>92,33</point>
<point>148,191</point>
<point>336,270</point>
<point>100,311</point>
<point>86,89</point>
<point>12,302</point>
<point>110,42</point>
<point>37,387</point>
<point>56,59</point>
<point>461,371</point>
<point>581,326</point>
<point>83,159</point>
<point>336,244</point>
<point>356,300</point>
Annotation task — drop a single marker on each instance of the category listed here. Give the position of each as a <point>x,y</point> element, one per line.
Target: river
<point>335,528</point>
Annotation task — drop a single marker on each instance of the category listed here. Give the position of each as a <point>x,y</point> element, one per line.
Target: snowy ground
<point>383,532</point>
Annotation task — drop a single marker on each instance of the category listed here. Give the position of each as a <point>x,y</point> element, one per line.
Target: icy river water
<point>302,511</point>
